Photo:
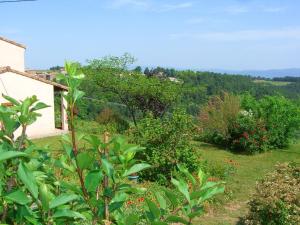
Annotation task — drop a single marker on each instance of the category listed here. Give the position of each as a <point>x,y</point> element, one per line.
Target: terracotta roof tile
<point>12,42</point>
<point>8,69</point>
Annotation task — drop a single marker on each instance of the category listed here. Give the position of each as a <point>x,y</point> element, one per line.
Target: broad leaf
<point>11,154</point>
<point>68,213</point>
<point>136,168</point>
<point>92,180</point>
<point>172,197</point>
<point>162,202</point>
<point>154,210</point>
<point>132,219</point>
<point>28,180</point>
<point>84,160</point>
<point>208,193</point>
<point>12,100</point>
<point>108,168</point>
<point>182,187</point>
<point>176,219</point>
<point>62,199</point>
<point>39,106</point>
<point>18,196</point>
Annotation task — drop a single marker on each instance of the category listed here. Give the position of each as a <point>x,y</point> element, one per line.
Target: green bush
<point>248,134</point>
<point>281,117</point>
<point>249,125</point>
<point>167,142</point>
<point>277,198</point>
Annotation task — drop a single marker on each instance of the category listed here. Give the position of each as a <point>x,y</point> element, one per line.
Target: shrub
<point>281,116</point>
<point>112,120</point>
<point>248,134</point>
<point>249,125</point>
<point>277,198</point>
<point>217,116</point>
<point>167,142</point>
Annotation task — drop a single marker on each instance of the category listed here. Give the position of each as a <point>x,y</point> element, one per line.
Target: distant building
<point>17,83</point>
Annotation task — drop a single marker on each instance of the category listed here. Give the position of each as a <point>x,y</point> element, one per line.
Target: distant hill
<point>292,72</point>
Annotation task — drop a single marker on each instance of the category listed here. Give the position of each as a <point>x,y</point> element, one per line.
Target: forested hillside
<point>192,89</point>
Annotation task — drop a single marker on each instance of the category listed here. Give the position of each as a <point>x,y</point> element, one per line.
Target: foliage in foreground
<point>94,187</point>
<point>277,199</point>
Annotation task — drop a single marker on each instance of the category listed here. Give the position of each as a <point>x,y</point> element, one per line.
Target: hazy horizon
<point>232,35</point>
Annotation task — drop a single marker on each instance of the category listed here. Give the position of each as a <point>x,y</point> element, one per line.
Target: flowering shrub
<point>277,198</point>
<point>280,115</point>
<point>248,134</point>
<point>251,125</point>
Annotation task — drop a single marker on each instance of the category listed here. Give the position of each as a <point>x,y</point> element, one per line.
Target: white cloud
<point>242,35</point>
<point>172,7</point>
<point>149,5</point>
<point>237,9</point>
<point>134,3</point>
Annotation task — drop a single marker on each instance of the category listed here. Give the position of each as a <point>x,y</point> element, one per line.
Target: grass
<point>240,185</point>
<point>274,83</point>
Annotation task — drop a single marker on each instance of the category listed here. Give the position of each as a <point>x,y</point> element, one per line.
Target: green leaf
<point>197,213</point>
<point>201,176</point>
<point>18,196</point>
<point>172,197</point>
<point>159,223</point>
<point>11,154</point>
<point>92,180</point>
<point>60,77</point>
<point>62,199</point>
<point>131,219</point>
<point>185,171</point>
<point>28,180</point>
<point>208,193</point>
<point>39,106</point>
<point>45,196</point>
<point>136,168</point>
<point>84,160</point>
<point>108,168</point>
<point>154,210</point>
<point>12,100</point>
<point>77,95</point>
<point>68,213</point>
<point>176,219</point>
<point>182,187</point>
<point>162,202</point>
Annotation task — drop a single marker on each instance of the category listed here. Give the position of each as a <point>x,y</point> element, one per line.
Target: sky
<point>195,34</point>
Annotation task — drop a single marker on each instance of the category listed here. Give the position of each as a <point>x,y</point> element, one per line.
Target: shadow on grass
<point>222,148</point>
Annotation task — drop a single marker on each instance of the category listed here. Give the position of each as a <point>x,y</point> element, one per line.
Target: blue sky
<point>196,34</point>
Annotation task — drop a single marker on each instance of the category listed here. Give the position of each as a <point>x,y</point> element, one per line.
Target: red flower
<point>246,135</point>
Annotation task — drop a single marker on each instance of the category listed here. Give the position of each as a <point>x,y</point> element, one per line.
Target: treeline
<point>163,89</point>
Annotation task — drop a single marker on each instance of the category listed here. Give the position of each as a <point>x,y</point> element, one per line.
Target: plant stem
<point>106,183</point>
<point>22,138</point>
<point>75,151</point>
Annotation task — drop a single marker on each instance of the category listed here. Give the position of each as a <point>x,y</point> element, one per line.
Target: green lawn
<point>240,185</point>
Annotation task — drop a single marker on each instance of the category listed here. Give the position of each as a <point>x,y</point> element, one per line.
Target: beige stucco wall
<point>20,87</point>
<point>12,55</point>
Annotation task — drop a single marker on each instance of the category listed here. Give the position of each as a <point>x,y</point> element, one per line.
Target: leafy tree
<point>140,94</point>
<point>138,69</point>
